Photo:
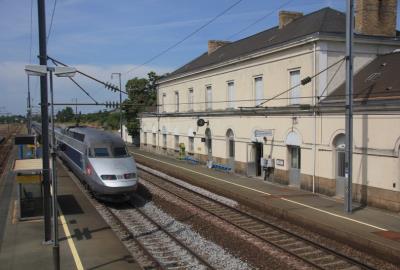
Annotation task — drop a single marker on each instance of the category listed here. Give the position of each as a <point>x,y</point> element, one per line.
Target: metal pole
<point>56,248</point>
<point>45,120</point>
<point>29,114</point>
<point>349,106</point>
<point>120,103</point>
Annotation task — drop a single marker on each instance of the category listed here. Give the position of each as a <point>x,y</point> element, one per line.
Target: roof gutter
<point>285,46</point>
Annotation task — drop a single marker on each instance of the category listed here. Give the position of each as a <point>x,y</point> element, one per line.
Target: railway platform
<point>368,229</point>
<point>86,241</point>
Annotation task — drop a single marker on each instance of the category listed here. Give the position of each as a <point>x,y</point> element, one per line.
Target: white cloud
<point>13,85</point>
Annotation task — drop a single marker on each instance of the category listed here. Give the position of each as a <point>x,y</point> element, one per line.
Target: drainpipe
<point>314,101</point>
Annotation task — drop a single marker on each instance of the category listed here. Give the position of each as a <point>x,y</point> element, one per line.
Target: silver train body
<point>97,157</point>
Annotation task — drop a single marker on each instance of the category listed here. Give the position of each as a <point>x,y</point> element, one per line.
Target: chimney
<point>286,17</point>
<point>213,45</point>
<point>376,17</point>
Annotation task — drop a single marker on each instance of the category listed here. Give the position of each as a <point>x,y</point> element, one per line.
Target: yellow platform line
<point>71,243</point>
<point>68,235</point>
<point>269,194</point>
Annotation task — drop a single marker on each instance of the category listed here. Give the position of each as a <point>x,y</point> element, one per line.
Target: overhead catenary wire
<point>51,21</point>
<point>302,82</point>
<point>113,87</point>
<point>260,19</point>
<point>185,38</point>
<point>77,84</point>
<point>31,35</point>
<point>330,81</point>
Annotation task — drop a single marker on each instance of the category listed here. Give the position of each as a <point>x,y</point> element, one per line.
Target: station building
<point>281,93</point>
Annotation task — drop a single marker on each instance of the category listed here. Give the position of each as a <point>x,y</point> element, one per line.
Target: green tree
<point>142,97</point>
<point>65,115</point>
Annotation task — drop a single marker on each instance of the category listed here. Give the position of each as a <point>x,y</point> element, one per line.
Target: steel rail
<point>262,221</point>
<point>164,230</point>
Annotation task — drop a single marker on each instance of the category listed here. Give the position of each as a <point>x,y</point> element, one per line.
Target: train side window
<point>119,152</point>
<point>101,152</point>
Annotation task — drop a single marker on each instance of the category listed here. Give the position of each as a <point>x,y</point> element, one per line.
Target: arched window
<point>339,144</point>
<point>230,144</point>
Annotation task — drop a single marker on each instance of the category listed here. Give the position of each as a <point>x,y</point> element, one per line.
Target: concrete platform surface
<point>369,229</point>
<point>86,241</point>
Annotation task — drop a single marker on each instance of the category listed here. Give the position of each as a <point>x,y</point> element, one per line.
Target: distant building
<point>239,89</point>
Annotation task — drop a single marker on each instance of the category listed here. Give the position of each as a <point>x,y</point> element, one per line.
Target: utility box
<point>30,193</point>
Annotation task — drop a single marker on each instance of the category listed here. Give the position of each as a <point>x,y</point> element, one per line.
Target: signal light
<point>109,177</point>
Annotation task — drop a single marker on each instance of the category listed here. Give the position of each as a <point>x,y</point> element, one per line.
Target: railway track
<point>6,145</point>
<point>159,241</point>
<point>312,253</point>
<point>159,248</point>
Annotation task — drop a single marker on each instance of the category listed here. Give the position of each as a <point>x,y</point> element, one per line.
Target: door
<point>295,165</point>
<point>209,144</point>
<point>230,141</point>
<point>340,172</point>
<point>251,164</point>
<point>258,155</point>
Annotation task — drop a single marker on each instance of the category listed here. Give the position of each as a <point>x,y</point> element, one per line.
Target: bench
<point>221,167</point>
<point>191,160</point>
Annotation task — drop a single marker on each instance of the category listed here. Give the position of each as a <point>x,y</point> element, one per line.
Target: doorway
<point>209,145</point>
<point>295,165</point>
<point>230,143</point>
<point>340,163</point>
<point>258,154</point>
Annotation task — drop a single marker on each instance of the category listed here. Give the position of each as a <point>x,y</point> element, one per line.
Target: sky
<point>101,37</point>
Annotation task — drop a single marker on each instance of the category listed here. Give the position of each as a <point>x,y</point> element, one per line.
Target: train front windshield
<point>117,152</point>
<point>120,152</point>
<point>101,152</point>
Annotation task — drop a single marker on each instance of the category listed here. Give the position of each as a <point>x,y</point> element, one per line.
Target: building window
<point>164,137</point>
<point>231,95</point>
<point>259,90</point>
<point>208,98</point>
<point>191,144</point>
<point>164,96</point>
<point>145,137</point>
<point>176,137</point>
<point>154,139</point>
<point>177,101</point>
<point>295,92</point>
<point>230,144</point>
<point>190,100</point>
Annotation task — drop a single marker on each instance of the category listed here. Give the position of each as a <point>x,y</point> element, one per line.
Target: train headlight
<point>129,175</point>
<point>108,177</point>
<point>89,169</point>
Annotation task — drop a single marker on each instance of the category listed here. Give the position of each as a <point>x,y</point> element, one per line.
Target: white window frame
<point>294,94</point>
<point>164,136</point>
<point>258,92</point>
<point>154,139</point>
<point>231,94</point>
<point>163,98</point>
<point>190,99</point>
<point>208,98</point>
<point>176,101</point>
<point>191,144</point>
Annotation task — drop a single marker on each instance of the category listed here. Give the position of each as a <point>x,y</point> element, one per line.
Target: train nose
<point>114,167</point>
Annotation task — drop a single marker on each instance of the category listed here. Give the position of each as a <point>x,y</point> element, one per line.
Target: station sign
<point>263,133</point>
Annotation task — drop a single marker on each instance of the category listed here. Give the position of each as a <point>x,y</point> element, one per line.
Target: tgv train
<point>99,158</point>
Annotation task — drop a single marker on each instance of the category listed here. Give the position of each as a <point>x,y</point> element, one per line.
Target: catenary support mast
<point>349,106</point>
